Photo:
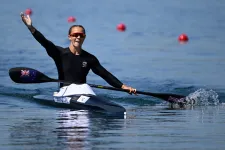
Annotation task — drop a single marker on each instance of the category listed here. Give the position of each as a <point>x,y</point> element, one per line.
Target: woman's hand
<point>26,20</point>
<point>131,90</point>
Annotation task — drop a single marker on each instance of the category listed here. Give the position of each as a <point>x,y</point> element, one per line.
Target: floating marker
<point>183,38</point>
<point>71,19</point>
<point>28,11</point>
<point>121,27</point>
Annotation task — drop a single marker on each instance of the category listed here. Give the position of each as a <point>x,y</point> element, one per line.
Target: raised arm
<point>48,45</point>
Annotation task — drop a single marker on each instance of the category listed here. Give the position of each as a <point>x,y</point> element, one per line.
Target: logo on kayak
<point>84,64</point>
<point>25,73</point>
<point>83,99</point>
<point>62,99</point>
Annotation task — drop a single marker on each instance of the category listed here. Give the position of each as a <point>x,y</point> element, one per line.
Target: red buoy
<point>183,38</point>
<point>28,11</point>
<point>121,27</point>
<point>71,19</point>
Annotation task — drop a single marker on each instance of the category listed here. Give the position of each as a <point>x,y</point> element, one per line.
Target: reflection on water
<point>73,126</point>
<point>65,129</point>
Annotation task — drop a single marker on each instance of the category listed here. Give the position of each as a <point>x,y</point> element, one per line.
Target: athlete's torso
<point>72,67</point>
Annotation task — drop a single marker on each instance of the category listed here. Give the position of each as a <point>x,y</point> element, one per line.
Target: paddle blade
<point>28,75</point>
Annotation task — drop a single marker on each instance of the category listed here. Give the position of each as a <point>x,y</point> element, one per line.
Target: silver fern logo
<point>84,64</point>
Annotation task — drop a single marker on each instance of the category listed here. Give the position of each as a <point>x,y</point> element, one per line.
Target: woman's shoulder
<point>87,54</point>
<point>63,49</point>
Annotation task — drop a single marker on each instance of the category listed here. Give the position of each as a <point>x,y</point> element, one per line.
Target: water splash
<point>204,97</point>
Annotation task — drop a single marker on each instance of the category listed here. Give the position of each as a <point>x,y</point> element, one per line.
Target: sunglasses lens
<point>82,35</point>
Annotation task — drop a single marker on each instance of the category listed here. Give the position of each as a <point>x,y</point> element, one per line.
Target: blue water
<point>146,56</point>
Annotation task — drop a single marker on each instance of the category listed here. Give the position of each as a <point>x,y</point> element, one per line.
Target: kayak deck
<point>83,102</point>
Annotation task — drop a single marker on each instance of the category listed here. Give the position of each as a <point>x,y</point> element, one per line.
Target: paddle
<point>29,75</point>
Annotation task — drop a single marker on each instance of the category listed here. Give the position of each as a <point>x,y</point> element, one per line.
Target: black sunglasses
<point>82,35</point>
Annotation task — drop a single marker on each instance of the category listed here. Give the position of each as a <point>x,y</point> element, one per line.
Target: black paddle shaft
<point>165,96</point>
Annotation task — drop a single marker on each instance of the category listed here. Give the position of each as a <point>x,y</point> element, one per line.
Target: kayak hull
<point>82,102</point>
